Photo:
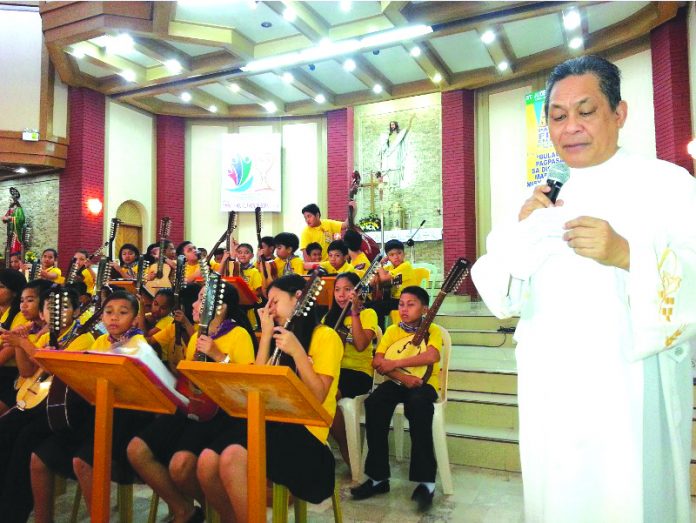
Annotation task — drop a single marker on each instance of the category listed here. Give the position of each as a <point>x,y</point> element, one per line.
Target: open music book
<point>146,359</point>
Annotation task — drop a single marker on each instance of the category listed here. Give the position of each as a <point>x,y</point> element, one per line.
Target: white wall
<point>691,25</point>
<point>60,107</point>
<point>129,172</point>
<point>507,135</point>
<point>20,69</point>
<point>303,159</point>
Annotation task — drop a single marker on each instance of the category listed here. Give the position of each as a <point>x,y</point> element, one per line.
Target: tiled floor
<point>481,496</point>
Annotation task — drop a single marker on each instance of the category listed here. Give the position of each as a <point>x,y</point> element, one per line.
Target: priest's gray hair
<point>606,72</point>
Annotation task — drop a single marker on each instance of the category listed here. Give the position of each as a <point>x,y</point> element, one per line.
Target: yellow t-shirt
<point>346,267</point>
<point>296,266</point>
<point>163,323</point>
<point>361,263</point>
<point>323,235</point>
<point>165,338</point>
<point>102,343</point>
<point>18,320</point>
<point>236,343</point>
<point>353,358</point>
<point>394,333</point>
<point>88,277</point>
<point>190,269</point>
<point>408,277</point>
<point>326,352</point>
<point>55,270</point>
<point>215,266</point>
<point>81,343</point>
<point>253,278</point>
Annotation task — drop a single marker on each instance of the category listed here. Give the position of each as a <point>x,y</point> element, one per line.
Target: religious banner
<point>540,152</point>
<point>251,172</point>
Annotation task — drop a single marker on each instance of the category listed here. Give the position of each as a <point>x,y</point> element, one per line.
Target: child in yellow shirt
<point>49,270</point>
<point>286,243</point>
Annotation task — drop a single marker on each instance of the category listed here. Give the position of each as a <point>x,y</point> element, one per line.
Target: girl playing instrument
<point>297,456</point>
<point>165,453</point>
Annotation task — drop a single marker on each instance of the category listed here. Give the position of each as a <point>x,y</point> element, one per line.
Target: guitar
<point>201,407</point>
<point>162,277</point>
<point>381,290</point>
<point>417,343</point>
<point>36,388</point>
<point>179,283</point>
<point>72,272</point>
<point>102,279</point>
<point>34,270</point>
<point>305,302</point>
<point>113,230</point>
<point>232,220</point>
<point>268,269</point>
<point>361,289</point>
<point>368,246</point>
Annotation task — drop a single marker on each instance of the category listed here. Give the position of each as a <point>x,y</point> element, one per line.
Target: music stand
<point>247,295</point>
<point>125,284</point>
<point>258,393</point>
<point>107,381</point>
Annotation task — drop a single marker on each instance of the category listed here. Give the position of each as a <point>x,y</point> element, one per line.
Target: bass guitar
<point>417,343</point>
<point>162,277</point>
<point>201,407</point>
<point>368,246</point>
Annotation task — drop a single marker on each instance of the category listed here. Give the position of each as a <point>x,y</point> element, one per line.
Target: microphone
<point>410,241</point>
<point>558,175</point>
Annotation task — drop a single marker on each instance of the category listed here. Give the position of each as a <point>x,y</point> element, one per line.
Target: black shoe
<point>423,497</point>
<point>198,516</point>
<point>367,489</point>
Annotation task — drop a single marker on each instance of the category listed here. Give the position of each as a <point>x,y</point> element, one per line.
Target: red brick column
<point>83,177</point>
<point>171,142</point>
<point>458,180</point>
<point>340,161</point>
<point>670,69</point>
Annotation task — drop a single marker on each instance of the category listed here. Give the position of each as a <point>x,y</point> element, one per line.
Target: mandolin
<point>305,302</point>
<point>143,265</point>
<point>162,276</point>
<point>417,343</point>
<point>232,222</point>
<point>362,289</point>
<point>113,230</point>
<point>201,407</point>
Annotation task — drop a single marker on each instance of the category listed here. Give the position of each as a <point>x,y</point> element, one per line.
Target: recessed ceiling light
<point>437,78</point>
<point>234,88</point>
<point>415,51</point>
<point>502,66</point>
<point>488,37</point>
<point>21,170</point>
<point>128,75</point>
<point>77,52</point>
<point>213,108</point>
<point>270,107</point>
<point>289,14</point>
<point>311,67</point>
<point>185,96</point>
<point>349,65</point>
<point>320,98</point>
<point>576,43</point>
<point>266,25</point>
<point>377,89</point>
<point>288,78</point>
<point>571,20</point>
<point>122,43</point>
<point>345,5</point>
<point>173,66</point>
<point>375,52</point>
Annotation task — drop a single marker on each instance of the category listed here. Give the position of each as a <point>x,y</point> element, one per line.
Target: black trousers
<point>418,407</point>
<point>383,308</point>
<point>22,432</point>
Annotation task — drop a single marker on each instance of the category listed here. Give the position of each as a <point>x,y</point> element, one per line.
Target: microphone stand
<point>412,243</point>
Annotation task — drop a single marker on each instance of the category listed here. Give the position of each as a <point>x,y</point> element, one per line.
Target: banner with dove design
<point>251,172</point>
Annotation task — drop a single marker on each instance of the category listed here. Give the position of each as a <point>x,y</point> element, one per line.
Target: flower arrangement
<point>30,256</point>
<point>371,222</point>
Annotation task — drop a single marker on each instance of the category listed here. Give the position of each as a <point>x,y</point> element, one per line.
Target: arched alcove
<point>130,213</point>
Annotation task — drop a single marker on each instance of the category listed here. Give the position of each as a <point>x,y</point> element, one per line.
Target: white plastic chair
<point>433,276</point>
<point>439,431</point>
<point>352,409</point>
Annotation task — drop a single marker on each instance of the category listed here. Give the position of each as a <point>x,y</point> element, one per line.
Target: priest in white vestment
<point>604,282</point>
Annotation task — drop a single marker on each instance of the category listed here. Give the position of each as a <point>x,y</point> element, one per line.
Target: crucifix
<point>374,183</point>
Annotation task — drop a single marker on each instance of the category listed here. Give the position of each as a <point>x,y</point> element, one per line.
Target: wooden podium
<point>107,381</point>
<point>258,393</point>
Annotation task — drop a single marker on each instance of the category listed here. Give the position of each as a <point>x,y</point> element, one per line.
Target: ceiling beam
<point>312,88</point>
<point>161,51</point>
<point>392,11</point>
<point>499,49</point>
<point>99,57</point>
<point>369,75</point>
<point>201,34</point>
<point>429,61</point>
<point>257,94</point>
<point>204,100</point>
<point>306,21</point>
<point>162,14</point>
